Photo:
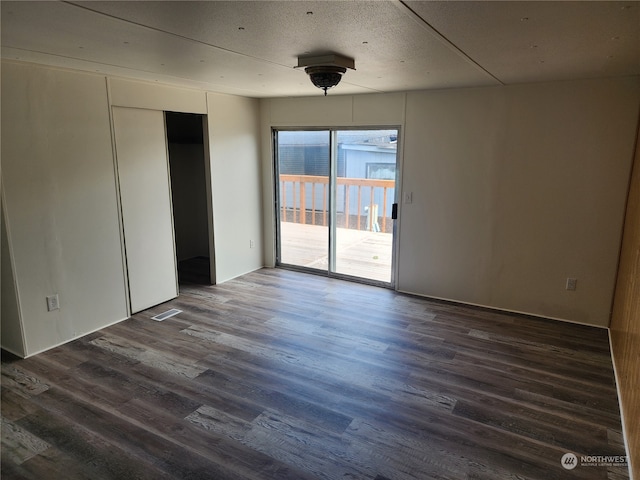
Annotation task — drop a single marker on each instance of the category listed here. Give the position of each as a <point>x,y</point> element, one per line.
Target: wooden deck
<point>358,253</point>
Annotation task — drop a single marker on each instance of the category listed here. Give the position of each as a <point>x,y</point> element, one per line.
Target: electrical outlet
<point>572,283</point>
<point>53,302</point>
<point>251,244</point>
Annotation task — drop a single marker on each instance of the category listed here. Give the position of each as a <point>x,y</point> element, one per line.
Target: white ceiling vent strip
<point>165,315</point>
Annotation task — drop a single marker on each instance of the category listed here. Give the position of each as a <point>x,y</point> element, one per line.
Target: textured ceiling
<point>250,48</point>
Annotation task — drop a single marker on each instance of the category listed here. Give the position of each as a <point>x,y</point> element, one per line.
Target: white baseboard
<point>622,418</point>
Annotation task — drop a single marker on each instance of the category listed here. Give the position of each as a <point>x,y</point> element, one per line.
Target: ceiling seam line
<point>159,30</point>
<point>421,21</point>
<point>115,75</point>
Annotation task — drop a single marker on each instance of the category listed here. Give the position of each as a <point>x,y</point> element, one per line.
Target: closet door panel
<point>141,150</point>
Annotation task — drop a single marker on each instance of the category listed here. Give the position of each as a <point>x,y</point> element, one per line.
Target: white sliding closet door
<point>143,171</point>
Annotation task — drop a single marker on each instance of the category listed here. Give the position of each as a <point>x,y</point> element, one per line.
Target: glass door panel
<point>336,189</point>
<point>365,193</point>
<point>303,165</point>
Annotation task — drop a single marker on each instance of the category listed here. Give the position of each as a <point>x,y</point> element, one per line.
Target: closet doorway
<point>190,196</point>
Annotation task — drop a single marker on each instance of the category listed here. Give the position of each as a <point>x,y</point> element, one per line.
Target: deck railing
<point>303,194</point>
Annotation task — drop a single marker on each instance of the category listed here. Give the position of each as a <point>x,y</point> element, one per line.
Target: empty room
<point>377,240</point>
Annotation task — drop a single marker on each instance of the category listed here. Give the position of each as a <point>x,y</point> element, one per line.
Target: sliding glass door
<point>336,190</point>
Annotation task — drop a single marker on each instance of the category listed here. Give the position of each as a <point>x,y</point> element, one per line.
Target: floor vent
<point>165,315</point>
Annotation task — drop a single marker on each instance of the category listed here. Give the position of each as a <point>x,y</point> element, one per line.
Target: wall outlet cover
<point>53,302</point>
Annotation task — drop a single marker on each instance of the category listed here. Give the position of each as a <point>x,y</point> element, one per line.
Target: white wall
<point>12,336</point>
<point>234,131</point>
<point>234,156</point>
<point>60,201</point>
<point>514,188</point>
<point>155,96</point>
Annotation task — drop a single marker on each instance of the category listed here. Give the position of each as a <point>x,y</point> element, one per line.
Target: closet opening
<point>187,164</point>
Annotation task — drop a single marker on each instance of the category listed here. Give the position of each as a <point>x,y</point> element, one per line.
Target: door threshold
<point>337,276</point>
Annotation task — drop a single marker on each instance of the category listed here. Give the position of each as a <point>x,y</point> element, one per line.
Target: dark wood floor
<point>282,375</point>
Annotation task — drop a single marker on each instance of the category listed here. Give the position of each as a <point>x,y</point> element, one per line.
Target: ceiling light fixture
<point>325,71</point>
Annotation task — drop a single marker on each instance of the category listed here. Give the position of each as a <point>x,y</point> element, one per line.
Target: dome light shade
<point>325,76</point>
<point>325,71</point>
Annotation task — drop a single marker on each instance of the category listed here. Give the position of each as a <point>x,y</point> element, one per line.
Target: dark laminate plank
<point>533,424</point>
<point>567,409</point>
<point>161,387</point>
<point>81,453</point>
<point>18,444</point>
<point>143,443</point>
<point>21,382</point>
<point>264,394</point>
<point>14,405</point>
<point>280,375</point>
<point>409,419</point>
